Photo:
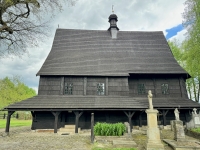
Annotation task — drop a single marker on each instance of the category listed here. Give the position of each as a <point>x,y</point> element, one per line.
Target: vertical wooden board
<point>85,85</point>
<point>106,86</point>
<point>62,85</point>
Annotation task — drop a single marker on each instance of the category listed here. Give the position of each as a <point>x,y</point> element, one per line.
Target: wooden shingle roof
<point>94,52</point>
<point>99,102</point>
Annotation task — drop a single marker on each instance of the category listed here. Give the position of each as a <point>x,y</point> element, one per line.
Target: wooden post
<point>92,127</point>
<point>77,120</point>
<point>56,114</point>
<point>164,113</point>
<point>8,121</point>
<point>33,119</point>
<point>130,115</point>
<point>140,119</point>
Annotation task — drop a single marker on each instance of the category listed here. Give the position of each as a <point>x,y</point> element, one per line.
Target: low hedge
<point>108,129</point>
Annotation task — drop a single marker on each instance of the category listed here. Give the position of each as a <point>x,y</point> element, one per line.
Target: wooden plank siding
<point>49,85</point>
<point>114,86</point>
<point>118,86</point>
<point>92,84</point>
<point>154,84</point>
<point>78,84</point>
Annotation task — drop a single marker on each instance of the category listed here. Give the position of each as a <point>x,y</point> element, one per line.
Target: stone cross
<point>150,95</point>
<point>176,113</point>
<point>195,111</point>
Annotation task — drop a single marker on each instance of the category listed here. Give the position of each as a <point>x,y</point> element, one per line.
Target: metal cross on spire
<point>112,9</point>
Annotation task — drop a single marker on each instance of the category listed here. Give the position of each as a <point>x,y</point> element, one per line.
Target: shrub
<point>108,129</point>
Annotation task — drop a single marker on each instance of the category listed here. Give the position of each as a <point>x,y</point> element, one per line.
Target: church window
<point>165,88</point>
<point>68,88</point>
<point>100,89</point>
<point>141,89</point>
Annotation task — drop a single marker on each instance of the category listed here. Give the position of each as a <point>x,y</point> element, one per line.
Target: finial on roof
<point>58,25</point>
<point>112,9</point>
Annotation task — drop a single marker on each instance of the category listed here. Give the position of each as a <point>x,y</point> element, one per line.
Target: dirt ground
<point>22,138</point>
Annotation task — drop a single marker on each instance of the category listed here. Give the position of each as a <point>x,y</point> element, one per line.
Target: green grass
<point>196,130</point>
<point>15,123</point>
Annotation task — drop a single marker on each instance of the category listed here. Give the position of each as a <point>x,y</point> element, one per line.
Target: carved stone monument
<point>195,120</point>
<point>177,125</point>
<point>176,113</point>
<point>153,132</point>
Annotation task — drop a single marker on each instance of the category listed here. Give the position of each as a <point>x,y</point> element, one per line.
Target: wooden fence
<point>4,116</point>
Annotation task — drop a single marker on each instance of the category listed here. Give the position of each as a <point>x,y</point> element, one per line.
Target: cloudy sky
<point>133,15</point>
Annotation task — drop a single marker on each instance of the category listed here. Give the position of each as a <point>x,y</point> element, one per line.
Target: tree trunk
<point>194,88</point>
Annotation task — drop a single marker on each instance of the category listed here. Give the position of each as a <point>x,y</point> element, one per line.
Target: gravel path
<point>22,138</point>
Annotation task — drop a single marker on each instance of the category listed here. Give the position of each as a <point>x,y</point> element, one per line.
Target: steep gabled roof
<point>94,52</point>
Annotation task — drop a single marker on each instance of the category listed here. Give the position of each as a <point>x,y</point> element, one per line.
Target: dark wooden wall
<point>77,84</point>
<point>118,86</point>
<point>115,86</point>
<point>177,86</point>
<point>49,85</point>
<point>45,120</point>
<point>92,84</point>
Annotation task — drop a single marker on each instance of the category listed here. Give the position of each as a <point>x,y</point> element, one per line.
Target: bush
<point>108,129</point>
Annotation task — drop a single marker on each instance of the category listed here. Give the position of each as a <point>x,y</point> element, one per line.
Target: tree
<point>191,46</point>
<point>180,54</point>
<point>13,90</point>
<point>22,25</point>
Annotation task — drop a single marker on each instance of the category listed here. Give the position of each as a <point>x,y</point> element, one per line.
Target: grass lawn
<point>196,130</point>
<point>15,123</point>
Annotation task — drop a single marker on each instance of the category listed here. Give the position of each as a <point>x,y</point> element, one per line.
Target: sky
<point>133,15</point>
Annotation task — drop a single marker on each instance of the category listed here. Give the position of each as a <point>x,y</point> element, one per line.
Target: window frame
<point>68,88</point>
<point>141,89</point>
<point>165,88</point>
<point>100,89</point>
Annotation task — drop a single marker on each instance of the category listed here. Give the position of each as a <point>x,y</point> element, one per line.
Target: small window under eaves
<point>141,89</point>
<point>100,89</point>
<point>68,89</point>
<point>165,88</point>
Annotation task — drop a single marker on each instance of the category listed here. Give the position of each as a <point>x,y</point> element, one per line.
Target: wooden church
<point>108,73</point>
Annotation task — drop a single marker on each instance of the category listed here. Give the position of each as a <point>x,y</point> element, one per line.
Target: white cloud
<point>180,36</point>
<point>133,15</point>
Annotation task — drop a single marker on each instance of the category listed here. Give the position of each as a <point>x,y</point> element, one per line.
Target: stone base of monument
<point>183,145</point>
<point>153,132</point>
<point>179,133</point>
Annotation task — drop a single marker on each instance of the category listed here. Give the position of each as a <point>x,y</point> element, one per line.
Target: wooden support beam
<point>92,127</point>
<point>33,119</point>
<point>164,113</point>
<point>130,115</point>
<point>140,118</point>
<point>77,119</point>
<point>56,114</point>
<point>8,121</point>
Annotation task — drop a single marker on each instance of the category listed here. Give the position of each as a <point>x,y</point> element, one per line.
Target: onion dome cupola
<point>113,25</point>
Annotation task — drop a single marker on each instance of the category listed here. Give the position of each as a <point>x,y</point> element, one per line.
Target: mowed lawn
<point>15,123</point>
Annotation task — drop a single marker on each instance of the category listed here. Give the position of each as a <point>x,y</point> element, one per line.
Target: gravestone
<point>172,124</point>
<point>195,121</point>
<point>179,133</point>
<point>127,127</point>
